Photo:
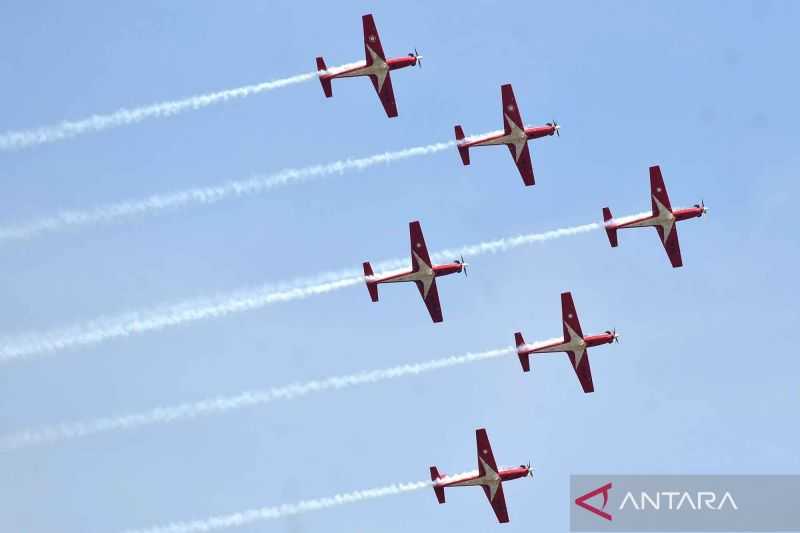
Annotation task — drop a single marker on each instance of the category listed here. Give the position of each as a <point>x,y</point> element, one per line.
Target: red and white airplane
<point>376,66</point>
<point>573,342</point>
<point>489,477</point>
<point>423,273</point>
<point>515,136</point>
<point>663,218</point>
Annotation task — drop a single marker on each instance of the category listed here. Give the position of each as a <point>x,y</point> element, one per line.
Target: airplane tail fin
<point>524,359</point>
<point>611,231</point>
<point>462,150</point>
<point>324,79</point>
<point>435,476</point>
<point>372,286</point>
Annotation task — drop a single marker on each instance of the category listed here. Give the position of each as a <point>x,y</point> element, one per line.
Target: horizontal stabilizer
<point>611,230</point>
<point>462,150</point>
<point>372,286</point>
<point>524,359</point>
<point>435,476</point>
<point>324,79</point>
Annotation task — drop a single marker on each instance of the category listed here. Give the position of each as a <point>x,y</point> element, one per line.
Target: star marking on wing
<point>490,479</point>
<point>381,68</point>
<point>577,340</point>
<point>372,38</point>
<point>665,218</point>
<point>427,279</point>
<point>519,139</point>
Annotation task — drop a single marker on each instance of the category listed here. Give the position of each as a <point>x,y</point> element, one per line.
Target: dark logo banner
<point>684,503</point>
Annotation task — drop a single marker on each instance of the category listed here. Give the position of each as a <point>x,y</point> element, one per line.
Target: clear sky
<point>704,380</point>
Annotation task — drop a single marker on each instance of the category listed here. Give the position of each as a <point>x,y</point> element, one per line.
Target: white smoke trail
<point>208,195</point>
<point>280,511</point>
<point>38,343</point>
<point>15,140</point>
<point>288,509</point>
<point>219,405</point>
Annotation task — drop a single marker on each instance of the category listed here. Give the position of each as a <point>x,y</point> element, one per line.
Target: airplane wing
<point>582,370</point>
<point>419,254</point>
<point>485,454</point>
<point>580,361</point>
<point>383,86</point>
<point>569,316</point>
<point>524,163</point>
<point>494,493</point>
<point>498,503</point>
<point>372,41</point>
<point>671,245</point>
<point>510,109</point>
<point>373,50</point>
<point>430,295</point>
<point>658,192</point>
<point>418,248</point>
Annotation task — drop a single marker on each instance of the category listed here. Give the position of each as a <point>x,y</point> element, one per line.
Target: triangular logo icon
<point>581,501</point>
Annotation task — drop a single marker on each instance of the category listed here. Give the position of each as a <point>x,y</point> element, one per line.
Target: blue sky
<point>704,380</point>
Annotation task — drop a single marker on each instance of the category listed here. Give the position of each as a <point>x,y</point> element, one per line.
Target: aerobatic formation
<point>423,273</point>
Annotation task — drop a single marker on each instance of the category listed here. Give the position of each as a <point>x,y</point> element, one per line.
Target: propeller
<point>555,126</point>
<point>463,265</point>
<point>613,334</point>
<point>416,56</point>
<point>530,470</point>
<point>702,206</point>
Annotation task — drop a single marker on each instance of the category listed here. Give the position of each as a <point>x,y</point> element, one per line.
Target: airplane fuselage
<point>664,219</point>
<point>425,273</point>
<point>576,344</point>
<point>489,478</point>
<point>515,137</point>
<point>378,67</point>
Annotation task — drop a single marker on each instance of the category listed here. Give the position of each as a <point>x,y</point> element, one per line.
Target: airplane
<point>423,273</point>
<point>573,342</point>
<point>489,477</point>
<point>376,66</point>
<point>515,136</point>
<point>663,218</point>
